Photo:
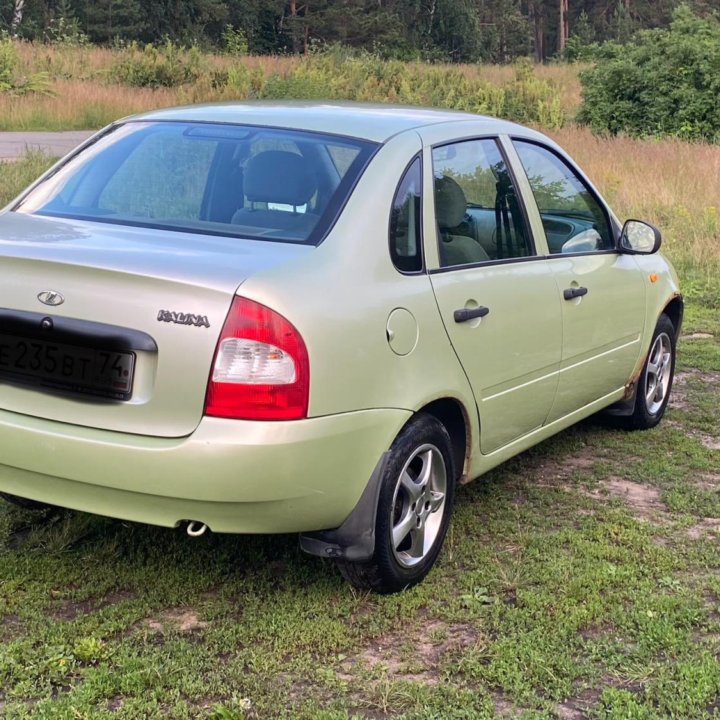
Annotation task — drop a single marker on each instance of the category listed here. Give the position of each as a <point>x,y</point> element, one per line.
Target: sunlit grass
<point>83,94</point>
<point>672,183</point>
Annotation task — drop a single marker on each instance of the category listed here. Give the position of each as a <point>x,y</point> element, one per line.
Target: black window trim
<point>422,271</point>
<point>586,184</point>
<point>496,138</point>
<point>488,263</point>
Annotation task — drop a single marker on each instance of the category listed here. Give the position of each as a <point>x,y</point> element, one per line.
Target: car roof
<point>377,123</point>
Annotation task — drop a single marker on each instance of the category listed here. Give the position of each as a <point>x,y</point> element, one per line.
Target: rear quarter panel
<point>340,297</point>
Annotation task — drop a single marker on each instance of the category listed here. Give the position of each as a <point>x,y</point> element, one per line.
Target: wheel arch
<point>354,540</point>
<point>453,415</point>
<point>675,310</point>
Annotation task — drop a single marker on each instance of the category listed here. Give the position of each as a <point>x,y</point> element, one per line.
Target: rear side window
<point>479,218</point>
<point>405,221</point>
<point>251,182</point>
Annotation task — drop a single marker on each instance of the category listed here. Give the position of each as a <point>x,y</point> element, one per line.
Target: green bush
<point>664,82</point>
<point>9,81</point>
<point>234,41</point>
<point>8,64</point>
<point>167,65</point>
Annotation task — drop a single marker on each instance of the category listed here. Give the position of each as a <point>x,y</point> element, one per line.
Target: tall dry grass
<point>84,96</point>
<point>79,105</point>
<point>672,183</point>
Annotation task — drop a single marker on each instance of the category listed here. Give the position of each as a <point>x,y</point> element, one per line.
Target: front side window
<point>406,221</point>
<point>478,215</point>
<point>237,180</point>
<point>573,219</point>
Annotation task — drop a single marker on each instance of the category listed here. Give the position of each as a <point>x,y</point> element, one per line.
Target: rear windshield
<point>253,182</point>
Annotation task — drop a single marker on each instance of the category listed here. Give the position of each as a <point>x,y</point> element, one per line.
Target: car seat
<point>450,209</point>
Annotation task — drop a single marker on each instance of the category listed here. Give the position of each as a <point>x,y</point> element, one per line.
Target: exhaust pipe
<point>195,528</point>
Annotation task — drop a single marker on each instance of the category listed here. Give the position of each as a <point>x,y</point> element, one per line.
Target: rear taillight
<point>261,369</point>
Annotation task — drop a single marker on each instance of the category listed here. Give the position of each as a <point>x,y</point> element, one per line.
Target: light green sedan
<point>315,318</point>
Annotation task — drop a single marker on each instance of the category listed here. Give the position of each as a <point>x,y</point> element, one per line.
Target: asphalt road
<point>15,144</point>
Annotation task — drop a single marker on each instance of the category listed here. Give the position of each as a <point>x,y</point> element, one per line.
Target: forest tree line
<point>496,31</point>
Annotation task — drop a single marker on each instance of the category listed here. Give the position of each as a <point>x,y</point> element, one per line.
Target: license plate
<point>67,367</point>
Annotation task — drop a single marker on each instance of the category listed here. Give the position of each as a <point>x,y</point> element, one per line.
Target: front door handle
<point>465,314</point>
<point>572,293</point>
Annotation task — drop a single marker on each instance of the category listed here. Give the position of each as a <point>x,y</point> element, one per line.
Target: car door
<point>602,292</point>
<point>497,296</point>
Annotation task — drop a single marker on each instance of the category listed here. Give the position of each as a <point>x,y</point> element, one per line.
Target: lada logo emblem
<point>51,297</point>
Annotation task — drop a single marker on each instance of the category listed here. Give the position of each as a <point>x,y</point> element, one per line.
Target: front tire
<point>656,378</point>
<point>416,499</point>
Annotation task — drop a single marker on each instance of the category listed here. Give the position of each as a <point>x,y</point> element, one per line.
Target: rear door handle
<point>572,293</point>
<point>465,314</point>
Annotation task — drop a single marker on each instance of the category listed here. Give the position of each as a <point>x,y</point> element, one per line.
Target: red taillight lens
<point>260,369</point>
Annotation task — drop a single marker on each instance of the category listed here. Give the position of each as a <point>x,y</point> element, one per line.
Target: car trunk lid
<point>153,301</point>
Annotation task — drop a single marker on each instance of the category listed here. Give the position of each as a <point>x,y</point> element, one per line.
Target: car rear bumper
<point>235,476</point>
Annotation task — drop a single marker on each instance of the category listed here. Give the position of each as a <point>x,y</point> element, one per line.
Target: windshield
<point>253,182</point>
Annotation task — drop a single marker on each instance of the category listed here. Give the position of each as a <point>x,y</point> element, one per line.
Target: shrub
<point>235,41</point>
<point>665,82</point>
<point>530,99</point>
<point>10,82</point>
<point>65,31</point>
<point>167,65</point>
<point>8,65</point>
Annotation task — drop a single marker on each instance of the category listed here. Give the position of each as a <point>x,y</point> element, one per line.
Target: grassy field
<point>580,580</point>
<point>88,87</point>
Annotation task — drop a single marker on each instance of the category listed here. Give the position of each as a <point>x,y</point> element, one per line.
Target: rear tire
<point>417,493</point>
<point>26,504</point>
<point>656,378</point>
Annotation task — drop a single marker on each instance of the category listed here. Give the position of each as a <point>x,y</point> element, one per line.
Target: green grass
<point>14,176</point>
<point>579,580</point>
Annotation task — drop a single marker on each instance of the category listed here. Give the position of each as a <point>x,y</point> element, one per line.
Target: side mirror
<point>639,238</point>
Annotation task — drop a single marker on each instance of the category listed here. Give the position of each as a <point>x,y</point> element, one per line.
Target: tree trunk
<point>294,28</point>
<point>17,17</point>
<point>537,19</point>
<point>563,27</point>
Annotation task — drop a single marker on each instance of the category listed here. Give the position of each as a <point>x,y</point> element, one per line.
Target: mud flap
<point>355,538</point>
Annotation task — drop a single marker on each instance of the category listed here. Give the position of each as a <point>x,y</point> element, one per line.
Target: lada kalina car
<point>315,318</point>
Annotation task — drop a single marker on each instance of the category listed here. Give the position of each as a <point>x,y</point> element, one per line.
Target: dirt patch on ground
<point>681,387</point>
<point>709,526</point>
<point>572,709</point>
<point>643,500</point>
<point>10,627</point>
<point>503,707</point>
<point>707,481</point>
<point>698,336</point>
<point>415,658</point>
<point>549,470</point>
<point>567,711</point>
<point>70,609</point>
<point>710,442</point>
<point>679,394</point>
<point>183,619</point>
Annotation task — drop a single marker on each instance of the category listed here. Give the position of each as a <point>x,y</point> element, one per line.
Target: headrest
<point>281,177</point>
<point>450,202</point>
